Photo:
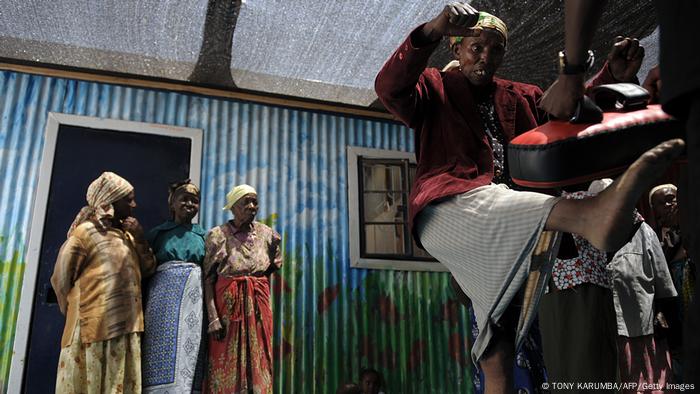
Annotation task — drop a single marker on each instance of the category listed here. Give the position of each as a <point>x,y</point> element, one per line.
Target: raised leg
<point>606,220</point>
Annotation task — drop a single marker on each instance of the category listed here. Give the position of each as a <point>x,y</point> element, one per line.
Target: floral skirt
<point>242,361</point>
<point>111,366</point>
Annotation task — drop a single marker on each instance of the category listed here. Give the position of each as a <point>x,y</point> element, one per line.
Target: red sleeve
<point>533,99</point>
<point>401,83</point>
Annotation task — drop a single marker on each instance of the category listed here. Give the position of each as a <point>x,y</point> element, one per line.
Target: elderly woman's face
<point>665,207</point>
<point>184,207</point>
<point>245,209</point>
<point>123,208</point>
<point>480,57</point>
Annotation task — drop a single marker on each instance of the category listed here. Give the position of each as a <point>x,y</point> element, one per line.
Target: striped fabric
<point>485,237</point>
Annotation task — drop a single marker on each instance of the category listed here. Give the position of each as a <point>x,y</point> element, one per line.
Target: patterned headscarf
<point>185,186</point>
<point>101,194</point>
<point>486,21</point>
<point>181,187</point>
<point>236,194</point>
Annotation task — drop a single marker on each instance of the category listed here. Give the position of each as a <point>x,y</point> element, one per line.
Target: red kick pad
<point>560,153</point>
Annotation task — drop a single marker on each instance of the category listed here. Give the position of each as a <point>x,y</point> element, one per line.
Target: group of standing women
<point>97,280</point>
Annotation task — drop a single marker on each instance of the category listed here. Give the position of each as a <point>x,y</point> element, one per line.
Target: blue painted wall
<point>330,320</point>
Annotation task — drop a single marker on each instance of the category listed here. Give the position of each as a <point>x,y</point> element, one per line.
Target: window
<point>379,183</point>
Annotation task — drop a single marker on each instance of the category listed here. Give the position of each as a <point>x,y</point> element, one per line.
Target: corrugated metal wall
<point>330,320</point>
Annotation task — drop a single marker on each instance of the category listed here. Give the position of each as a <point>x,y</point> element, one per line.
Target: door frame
<point>20,350</point>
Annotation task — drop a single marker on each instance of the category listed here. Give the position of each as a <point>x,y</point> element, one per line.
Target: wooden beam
<point>174,86</point>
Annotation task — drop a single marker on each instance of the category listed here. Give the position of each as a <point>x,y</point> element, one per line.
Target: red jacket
<point>452,148</point>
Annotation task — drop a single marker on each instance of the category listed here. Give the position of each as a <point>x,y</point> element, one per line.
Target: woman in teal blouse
<point>172,355</point>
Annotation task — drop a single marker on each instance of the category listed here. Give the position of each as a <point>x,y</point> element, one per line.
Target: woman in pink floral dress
<point>240,256</point>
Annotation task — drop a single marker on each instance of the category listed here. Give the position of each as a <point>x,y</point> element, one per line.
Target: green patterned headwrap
<point>486,21</point>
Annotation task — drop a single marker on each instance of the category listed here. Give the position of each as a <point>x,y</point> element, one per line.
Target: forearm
<point>69,263</point>
<point>146,258</point>
<point>411,57</point>
<point>581,18</point>
<point>209,299</point>
<point>426,35</point>
<point>397,83</point>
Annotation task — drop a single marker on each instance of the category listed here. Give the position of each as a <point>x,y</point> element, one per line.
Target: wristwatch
<point>570,69</point>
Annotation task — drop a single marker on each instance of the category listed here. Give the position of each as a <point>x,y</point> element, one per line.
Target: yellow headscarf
<point>236,194</point>
<point>486,21</point>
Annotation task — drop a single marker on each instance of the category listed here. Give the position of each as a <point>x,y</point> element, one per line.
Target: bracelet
<point>213,321</point>
<point>571,69</point>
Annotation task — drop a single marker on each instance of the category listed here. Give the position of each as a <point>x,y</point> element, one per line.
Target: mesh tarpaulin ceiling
<point>318,49</point>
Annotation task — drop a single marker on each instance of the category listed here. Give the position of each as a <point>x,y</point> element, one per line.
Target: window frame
<point>355,215</point>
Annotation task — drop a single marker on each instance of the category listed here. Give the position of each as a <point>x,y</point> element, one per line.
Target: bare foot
<point>609,221</point>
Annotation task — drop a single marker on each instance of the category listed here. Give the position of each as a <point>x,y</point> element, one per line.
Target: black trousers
<point>579,334</point>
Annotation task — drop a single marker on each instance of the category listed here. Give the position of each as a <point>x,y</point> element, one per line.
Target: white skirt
<point>486,237</point>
